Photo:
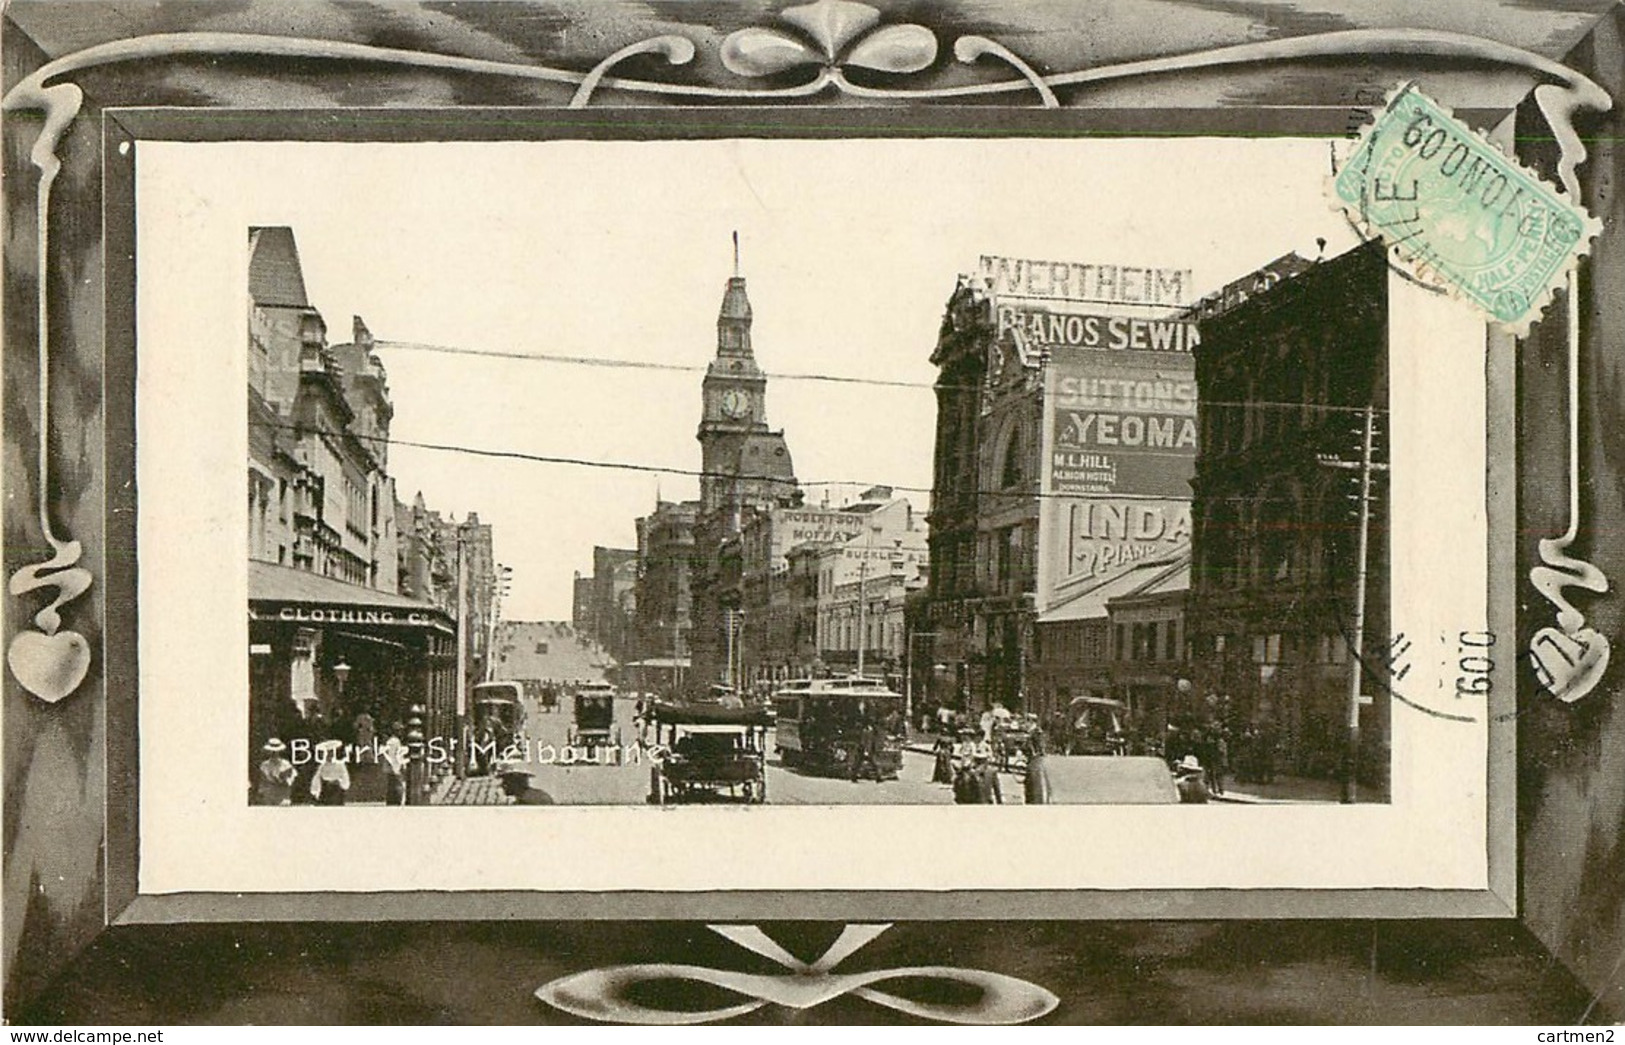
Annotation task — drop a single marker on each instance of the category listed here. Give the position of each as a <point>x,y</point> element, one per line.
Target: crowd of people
<point>968,767</point>
<point>1204,749</point>
<point>316,767</point>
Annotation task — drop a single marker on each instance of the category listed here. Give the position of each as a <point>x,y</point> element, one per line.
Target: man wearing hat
<point>1188,780</point>
<point>331,783</point>
<point>978,783</point>
<point>274,787</point>
<point>519,784</point>
<point>985,776</point>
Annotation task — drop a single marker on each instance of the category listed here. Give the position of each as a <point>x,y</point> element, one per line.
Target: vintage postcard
<point>827,462</point>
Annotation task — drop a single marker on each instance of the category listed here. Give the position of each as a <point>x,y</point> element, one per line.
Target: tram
<point>851,727</point>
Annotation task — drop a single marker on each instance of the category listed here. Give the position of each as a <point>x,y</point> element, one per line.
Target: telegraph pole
<point>863,606</point>
<point>863,594</point>
<point>462,658</point>
<point>1365,466</point>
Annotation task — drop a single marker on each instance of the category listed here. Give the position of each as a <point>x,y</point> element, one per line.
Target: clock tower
<point>744,463</point>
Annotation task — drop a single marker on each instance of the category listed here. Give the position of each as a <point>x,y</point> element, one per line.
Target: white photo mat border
<point>197,835</point>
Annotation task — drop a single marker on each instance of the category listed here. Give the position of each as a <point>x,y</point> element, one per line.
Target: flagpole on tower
<point>736,253</point>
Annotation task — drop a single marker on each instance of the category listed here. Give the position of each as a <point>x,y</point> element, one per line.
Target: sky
<point>621,250</point>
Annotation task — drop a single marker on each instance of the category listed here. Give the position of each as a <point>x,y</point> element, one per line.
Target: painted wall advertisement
<point>1084,542</point>
<point>1119,429</point>
<point>1119,421</point>
<point>1120,451</point>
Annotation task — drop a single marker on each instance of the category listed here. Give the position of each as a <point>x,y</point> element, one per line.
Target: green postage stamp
<point>1457,212</point>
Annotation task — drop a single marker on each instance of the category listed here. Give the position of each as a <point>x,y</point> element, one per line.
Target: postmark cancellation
<point>1459,214</point>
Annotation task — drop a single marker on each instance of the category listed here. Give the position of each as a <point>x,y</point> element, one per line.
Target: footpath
<point>469,791</point>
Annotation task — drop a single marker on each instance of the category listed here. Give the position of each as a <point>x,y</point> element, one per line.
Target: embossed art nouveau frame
<point>831,68</point>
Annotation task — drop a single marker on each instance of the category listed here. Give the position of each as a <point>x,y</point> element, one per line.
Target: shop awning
<point>293,596</point>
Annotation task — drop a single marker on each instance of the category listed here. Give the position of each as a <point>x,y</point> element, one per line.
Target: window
<point>1121,642</point>
<point>1011,470</point>
<point>1169,648</point>
<point>541,649</point>
<point>1276,531</point>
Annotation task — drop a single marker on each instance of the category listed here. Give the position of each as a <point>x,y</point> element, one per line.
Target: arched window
<point>1012,469</point>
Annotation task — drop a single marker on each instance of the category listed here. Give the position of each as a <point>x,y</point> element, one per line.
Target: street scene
<point>622,774</point>
<point>1037,516</point>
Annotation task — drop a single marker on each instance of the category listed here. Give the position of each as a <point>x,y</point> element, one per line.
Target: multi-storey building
<point>1066,435</point>
<point>663,593</point>
<point>1285,378</point>
<point>614,575</point>
<point>320,498</point>
<point>864,583</point>
<point>745,469</point>
<point>968,327</point>
<point>333,642</point>
<point>581,603</point>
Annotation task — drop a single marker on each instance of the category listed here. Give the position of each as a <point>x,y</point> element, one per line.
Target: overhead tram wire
<point>840,379</point>
<point>697,473</point>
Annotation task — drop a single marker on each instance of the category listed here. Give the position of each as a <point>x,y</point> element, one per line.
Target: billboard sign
<point>1119,454</point>
<point>1045,327</point>
<point>1093,282</point>
<point>1095,539</point>
<point>1117,429</point>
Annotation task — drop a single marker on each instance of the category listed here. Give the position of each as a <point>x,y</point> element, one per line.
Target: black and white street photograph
<point>812,512</point>
<point>812,473</point>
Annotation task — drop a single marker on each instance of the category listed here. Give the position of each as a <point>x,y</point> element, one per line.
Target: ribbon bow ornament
<point>603,994</point>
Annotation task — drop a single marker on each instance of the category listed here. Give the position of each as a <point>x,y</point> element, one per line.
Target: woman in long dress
<point>331,784</point>
<point>275,784</point>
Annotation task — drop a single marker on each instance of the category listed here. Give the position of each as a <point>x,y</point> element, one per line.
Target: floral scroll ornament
<point>837,34</point>
<point>609,994</point>
<point>52,661</point>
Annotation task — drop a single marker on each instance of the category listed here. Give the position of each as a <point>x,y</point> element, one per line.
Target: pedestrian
<point>1188,780</point>
<point>943,771</point>
<point>331,783</point>
<point>864,757</point>
<point>302,747</point>
<point>274,786</point>
<point>520,786</point>
<point>1221,760</point>
<point>485,746</point>
<point>395,754</point>
<point>985,781</point>
<point>366,737</point>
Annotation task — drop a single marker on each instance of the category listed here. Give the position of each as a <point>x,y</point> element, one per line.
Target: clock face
<point>735,403</point>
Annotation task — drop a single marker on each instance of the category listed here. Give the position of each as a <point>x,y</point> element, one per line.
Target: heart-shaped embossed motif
<point>1569,665</point>
<point>49,666</point>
